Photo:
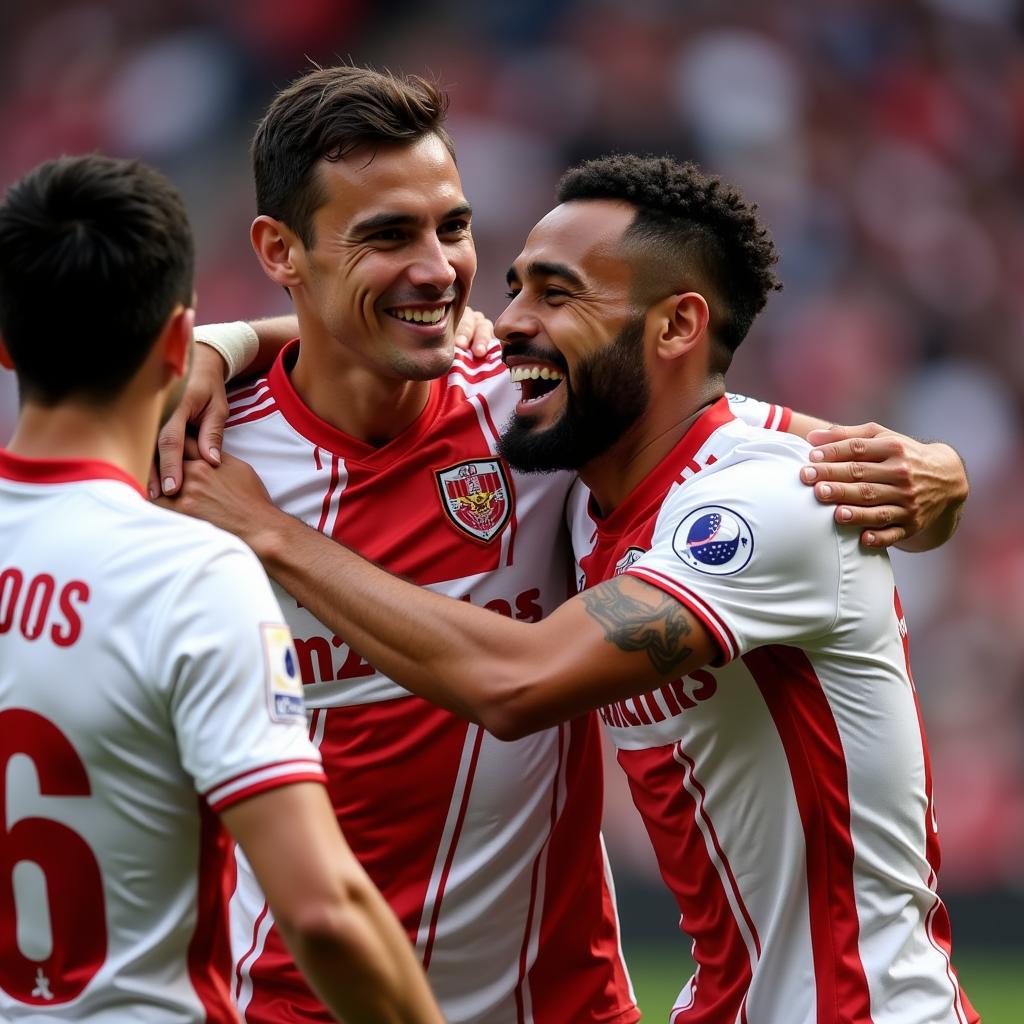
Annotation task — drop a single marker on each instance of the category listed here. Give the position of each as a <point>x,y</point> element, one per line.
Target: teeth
<point>420,316</point>
<point>520,373</point>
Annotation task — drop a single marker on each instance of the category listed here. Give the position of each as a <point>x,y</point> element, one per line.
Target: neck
<point>613,475</point>
<point>352,396</point>
<point>121,434</point>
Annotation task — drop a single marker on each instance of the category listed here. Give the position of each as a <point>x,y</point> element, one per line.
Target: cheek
<point>463,260</point>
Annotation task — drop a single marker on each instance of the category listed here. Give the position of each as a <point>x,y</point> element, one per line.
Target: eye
<point>387,235</point>
<point>512,294</point>
<point>455,227</point>
<point>555,293</point>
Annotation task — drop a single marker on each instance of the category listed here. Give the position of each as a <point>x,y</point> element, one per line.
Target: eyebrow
<point>544,268</point>
<point>381,221</point>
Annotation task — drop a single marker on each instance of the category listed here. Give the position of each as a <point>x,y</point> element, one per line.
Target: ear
<point>5,357</point>
<point>276,247</point>
<point>682,322</point>
<point>177,341</point>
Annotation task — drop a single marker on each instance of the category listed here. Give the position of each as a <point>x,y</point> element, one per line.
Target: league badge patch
<point>476,497</point>
<point>714,540</point>
<point>284,684</point>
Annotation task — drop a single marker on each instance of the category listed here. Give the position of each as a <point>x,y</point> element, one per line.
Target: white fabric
<point>164,695</point>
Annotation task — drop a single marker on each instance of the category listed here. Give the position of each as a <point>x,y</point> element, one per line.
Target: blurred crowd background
<point>884,143</point>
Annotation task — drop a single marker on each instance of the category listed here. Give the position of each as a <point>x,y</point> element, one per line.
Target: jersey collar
<point>62,471</point>
<point>322,434</point>
<point>653,488</point>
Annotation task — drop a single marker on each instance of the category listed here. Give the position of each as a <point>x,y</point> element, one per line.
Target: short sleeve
<point>751,553</point>
<point>231,681</point>
<point>756,413</point>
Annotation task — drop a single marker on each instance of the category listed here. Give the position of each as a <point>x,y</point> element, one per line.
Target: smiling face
<point>573,339</point>
<point>389,271</point>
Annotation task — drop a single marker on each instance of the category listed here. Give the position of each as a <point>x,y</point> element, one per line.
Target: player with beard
<point>148,696</point>
<point>749,657</point>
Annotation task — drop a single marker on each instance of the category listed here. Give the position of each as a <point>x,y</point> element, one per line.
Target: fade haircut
<point>326,114</point>
<point>95,254</point>
<point>691,231</point>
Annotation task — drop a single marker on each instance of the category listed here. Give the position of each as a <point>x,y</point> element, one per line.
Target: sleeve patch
<point>714,540</point>
<point>284,685</point>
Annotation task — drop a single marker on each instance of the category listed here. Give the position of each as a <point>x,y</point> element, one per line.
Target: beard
<point>608,395</point>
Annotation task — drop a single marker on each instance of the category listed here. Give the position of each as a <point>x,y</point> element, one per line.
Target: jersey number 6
<point>74,887</point>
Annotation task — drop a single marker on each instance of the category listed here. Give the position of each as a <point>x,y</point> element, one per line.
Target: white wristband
<point>236,342</point>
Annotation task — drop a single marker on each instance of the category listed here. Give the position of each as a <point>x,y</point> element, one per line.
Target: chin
<point>424,365</point>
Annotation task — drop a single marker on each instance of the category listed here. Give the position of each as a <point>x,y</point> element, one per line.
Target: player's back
<point>112,902</point>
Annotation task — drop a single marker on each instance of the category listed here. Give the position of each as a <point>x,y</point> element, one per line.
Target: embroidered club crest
<point>476,497</point>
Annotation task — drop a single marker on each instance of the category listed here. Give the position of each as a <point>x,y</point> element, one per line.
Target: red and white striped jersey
<point>786,788</point>
<point>489,852</point>
<point>144,685</point>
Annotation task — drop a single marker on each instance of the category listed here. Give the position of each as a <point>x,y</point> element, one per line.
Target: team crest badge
<point>714,540</point>
<point>476,497</point>
<point>631,556</point>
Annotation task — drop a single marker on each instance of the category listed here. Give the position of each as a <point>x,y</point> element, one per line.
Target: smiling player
<point>749,658</point>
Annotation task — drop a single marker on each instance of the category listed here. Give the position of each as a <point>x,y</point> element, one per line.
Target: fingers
<point>866,496</point>
<point>483,336</point>
<point>169,447</point>
<point>474,333</point>
<point>211,432</point>
<point>883,538</point>
<point>837,432</point>
<point>466,329</point>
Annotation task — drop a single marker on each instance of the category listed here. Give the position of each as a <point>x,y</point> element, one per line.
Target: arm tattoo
<point>657,625</point>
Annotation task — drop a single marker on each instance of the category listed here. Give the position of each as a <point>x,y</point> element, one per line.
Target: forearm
<point>456,655</point>
<point>360,963</point>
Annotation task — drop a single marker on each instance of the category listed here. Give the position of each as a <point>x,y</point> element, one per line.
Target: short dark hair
<point>95,253</point>
<point>326,114</point>
<point>688,224</point>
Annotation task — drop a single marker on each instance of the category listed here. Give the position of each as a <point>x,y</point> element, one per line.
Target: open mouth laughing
<point>537,380</point>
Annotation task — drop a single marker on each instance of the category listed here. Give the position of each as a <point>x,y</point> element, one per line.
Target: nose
<point>514,323</point>
<point>432,266</point>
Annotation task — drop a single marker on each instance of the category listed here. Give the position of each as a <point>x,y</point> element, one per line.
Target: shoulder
<point>185,546</point>
<point>757,413</point>
<point>752,494</point>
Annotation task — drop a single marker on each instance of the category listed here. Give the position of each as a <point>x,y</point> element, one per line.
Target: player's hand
<point>475,333</point>
<point>893,486</point>
<point>230,495</point>
<point>205,406</point>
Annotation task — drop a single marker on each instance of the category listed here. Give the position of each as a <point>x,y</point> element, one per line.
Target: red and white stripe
<point>449,842</point>
<point>251,404</point>
<point>249,783</point>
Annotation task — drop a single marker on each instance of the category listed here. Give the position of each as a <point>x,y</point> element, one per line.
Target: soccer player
<point>748,655</point>
<point>489,852</point>
<point>148,689</point>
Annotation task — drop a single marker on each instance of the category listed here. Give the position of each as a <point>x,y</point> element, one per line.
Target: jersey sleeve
<point>751,554</point>
<point>232,682</point>
<point>756,413</point>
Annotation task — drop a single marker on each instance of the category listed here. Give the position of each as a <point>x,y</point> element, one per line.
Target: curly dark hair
<point>323,116</point>
<point>691,230</point>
